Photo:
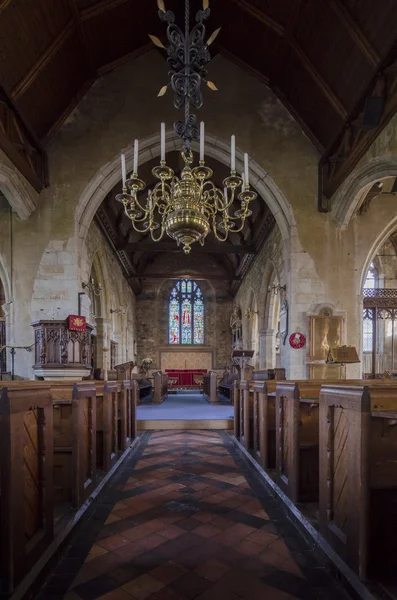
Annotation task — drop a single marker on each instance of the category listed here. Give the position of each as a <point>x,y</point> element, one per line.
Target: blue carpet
<point>184,405</point>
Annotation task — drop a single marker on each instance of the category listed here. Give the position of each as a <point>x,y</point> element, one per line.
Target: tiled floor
<point>187,517</point>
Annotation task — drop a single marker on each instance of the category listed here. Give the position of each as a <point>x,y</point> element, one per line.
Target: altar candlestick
<point>123,170</point>
<point>136,150</point>
<point>163,142</point>
<point>202,141</point>
<point>233,153</point>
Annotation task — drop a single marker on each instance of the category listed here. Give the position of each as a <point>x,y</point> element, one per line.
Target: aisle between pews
<point>186,517</point>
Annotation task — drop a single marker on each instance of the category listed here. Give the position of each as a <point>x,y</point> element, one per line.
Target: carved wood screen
<point>379,332</point>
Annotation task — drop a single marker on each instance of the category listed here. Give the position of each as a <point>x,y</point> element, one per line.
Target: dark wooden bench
<point>26,479</point>
<point>358,476</point>
<point>74,408</point>
<point>225,385</point>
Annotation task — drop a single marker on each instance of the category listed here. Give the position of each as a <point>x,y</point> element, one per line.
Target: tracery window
<point>186,313</point>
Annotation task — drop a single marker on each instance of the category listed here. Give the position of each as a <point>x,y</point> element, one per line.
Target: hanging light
<point>187,207</point>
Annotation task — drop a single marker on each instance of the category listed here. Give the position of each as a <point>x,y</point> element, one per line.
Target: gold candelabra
<point>186,208</point>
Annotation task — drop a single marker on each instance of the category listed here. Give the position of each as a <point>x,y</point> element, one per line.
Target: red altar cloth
<point>185,376</point>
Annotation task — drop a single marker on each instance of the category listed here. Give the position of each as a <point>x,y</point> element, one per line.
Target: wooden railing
<point>334,445</point>
<point>56,441</point>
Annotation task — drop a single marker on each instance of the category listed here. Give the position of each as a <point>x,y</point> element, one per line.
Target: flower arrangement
<point>146,363</point>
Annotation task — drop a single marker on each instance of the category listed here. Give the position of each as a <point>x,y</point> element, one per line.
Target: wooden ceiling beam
<point>261,16</point>
<point>354,139</point>
<point>43,61</point>
<point>355,32</point>
<point>82,35</point>
<point>171,275</point>
<point>286,33</point>
<point>319,80</point>
<point>222,248</point>
<point>21,146</point>
<point>243,65</point>
<point>99,8</point>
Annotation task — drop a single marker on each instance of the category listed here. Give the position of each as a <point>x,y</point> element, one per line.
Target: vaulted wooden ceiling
<point>332,63</point>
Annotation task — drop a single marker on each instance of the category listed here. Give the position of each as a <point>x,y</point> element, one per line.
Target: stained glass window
<point>186,313</point>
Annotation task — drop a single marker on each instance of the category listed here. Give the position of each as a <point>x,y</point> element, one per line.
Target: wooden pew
<point>226,384</point>
<point>26,479</point>
<point>74,408</point>
<point>358,475</point>
<point>264,423</point>
<point>210,386</point>
<point>297,436</point>
<point>128,401</point>
<point>240,393</point>
<point>297,439</point>
<point>107,434</point>
<point>131,390</point>
<point>160,387</point>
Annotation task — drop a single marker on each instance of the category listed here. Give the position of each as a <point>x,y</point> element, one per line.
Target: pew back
<point>26,479</point>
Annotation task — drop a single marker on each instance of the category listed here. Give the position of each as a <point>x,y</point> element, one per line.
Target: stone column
<point>267,349</point>
<point>102,340</point>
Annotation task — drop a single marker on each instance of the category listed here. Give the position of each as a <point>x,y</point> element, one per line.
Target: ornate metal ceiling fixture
<point>189,206</point>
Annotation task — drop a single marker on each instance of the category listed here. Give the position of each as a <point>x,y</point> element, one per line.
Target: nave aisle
<point>187,517</point>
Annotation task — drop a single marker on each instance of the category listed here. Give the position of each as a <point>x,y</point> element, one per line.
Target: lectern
<point>241,358</point>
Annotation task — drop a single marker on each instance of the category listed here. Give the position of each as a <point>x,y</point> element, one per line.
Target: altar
<point>185,377</point>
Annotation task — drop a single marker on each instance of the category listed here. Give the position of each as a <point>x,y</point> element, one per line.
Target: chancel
<point>198,299</point>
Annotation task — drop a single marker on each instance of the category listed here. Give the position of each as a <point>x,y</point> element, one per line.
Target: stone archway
<point>19,193</point>
<point>351,192</point>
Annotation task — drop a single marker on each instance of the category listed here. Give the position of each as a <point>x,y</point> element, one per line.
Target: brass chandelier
<point>187,207</point>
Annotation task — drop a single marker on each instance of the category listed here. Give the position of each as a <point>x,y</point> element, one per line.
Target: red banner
<point>77,323</point>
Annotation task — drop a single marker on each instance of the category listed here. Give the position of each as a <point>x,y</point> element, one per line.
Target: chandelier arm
<point>160,236</point>
<point>144,210</point>
<point>218,237</point>
<point>144,230</point>
<point>138,219</point>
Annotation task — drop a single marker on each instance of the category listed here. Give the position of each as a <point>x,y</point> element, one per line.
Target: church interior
<point>198,299</point>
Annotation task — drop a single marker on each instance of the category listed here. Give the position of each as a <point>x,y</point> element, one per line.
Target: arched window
<point>186,314</point>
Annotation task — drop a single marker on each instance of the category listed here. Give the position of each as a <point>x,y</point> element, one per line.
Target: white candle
<point>243,185</point>
<point>225,192</point>
<point>163,142</point>
<point>246,173</point>
<point>123,171</point>
<point>136,150</point>
<point>233,154</point>
<point>202,141</point>
<point>149,200</point>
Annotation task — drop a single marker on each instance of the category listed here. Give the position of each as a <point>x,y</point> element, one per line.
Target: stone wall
<point>152,322</point>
